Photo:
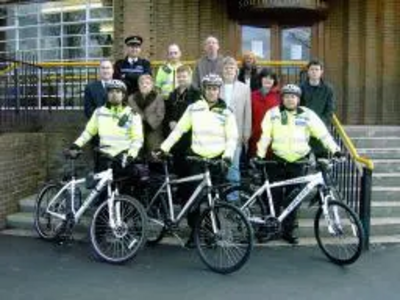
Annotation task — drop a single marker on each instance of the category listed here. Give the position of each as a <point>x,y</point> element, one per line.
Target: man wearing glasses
<point>132,67</point>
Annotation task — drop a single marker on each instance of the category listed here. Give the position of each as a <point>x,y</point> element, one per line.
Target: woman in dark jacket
<point>248,73</point>
<point>262,100</point>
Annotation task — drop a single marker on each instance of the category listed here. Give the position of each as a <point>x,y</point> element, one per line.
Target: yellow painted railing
<point>350,146</point>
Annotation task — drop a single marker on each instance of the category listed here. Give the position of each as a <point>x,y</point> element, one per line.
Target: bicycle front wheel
<point>226,247</point>
<point>339,233</point>
<point>47,226</point>
<point>122,242</point>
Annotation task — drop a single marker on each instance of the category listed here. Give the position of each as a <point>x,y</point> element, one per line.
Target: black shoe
<point>290,238</point>
<point>190,244</point>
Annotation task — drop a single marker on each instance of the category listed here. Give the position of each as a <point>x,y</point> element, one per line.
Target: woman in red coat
<point>262,100</point>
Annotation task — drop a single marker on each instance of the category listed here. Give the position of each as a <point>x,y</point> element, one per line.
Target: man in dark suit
<point>130,68</point>
<point>96,96</point>
<point>95,92</point>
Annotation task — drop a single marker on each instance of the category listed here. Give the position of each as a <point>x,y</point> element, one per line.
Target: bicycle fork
<point>119,228</point>
<point>331,215</point>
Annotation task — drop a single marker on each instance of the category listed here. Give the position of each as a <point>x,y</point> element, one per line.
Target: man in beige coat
<point>237,96</point>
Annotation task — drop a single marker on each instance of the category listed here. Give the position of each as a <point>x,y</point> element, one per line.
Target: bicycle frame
<point>105,177</point>
<point>205,182</point>
<point>312,181</point>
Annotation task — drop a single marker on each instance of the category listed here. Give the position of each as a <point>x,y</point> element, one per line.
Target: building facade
<point>358,40</point>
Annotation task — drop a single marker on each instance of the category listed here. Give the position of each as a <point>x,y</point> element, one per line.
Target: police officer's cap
<point>134,40</point>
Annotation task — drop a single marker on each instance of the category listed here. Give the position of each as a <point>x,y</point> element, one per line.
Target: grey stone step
<point>383,209</point>
<point>27,204</point>
<point>25,220</point>
<point>379,153</point>
<point>372,131</point>
<point>385,226</point>
<point>386,165</point>
<point>376,142</point>
<point>386,179</point>
<point>384,193</point>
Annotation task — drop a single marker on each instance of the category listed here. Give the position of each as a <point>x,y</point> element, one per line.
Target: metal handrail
<point>354,178</point>
<point>160,62</point>
<point>350,146</point>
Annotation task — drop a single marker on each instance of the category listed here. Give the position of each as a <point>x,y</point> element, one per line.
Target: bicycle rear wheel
<point>339,234</point>
<point>228,249</point>
<point>119,244</point>
<point>46,225</point>
<point>255,213</point>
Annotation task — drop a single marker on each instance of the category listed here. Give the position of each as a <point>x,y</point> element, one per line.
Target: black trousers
<point>130,173</point>
<point>284,171</point>
<point>187,189</point>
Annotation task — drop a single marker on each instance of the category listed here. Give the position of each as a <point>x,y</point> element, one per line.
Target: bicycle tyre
<point>238,237</point>
<point>331,241</point>
<point>118,245</point>
<point>255,213</point>
<point>155,215</point>
<point>47,226</point>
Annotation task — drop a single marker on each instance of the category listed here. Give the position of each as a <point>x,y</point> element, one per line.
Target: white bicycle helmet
<point>116,84</point>
<point>291,89</point>
<point>212,79</point>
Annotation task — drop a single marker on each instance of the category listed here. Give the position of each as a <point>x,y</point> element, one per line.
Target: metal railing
<point>19,92</point>
<point>63,83</point>
<point>354,177</point>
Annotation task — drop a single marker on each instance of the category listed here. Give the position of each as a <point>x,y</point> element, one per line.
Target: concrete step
<point>372,131</point>
<point>384,193</point>
<point>383,209</point>
<point>385,226</point>
<point>386,165</point>
<point>380,153</point>
<point>386,179</point>
<point>25,220</point>
<point>27,204</point>
<point>376,142</point>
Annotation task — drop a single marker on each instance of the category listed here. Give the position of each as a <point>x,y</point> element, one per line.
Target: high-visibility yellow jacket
<point>214,130</point>
<point>119,129</point>
<point>166,78</point>
<point>289,133</point>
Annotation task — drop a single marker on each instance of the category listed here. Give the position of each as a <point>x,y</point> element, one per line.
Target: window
<point>296,43</point>
<point>257,40</point>
<point>62,30</point>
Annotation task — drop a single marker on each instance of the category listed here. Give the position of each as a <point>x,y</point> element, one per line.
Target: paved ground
<point>33,269</point>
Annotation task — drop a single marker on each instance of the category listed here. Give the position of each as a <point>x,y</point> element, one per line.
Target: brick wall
<point>362,41</point>
<point>185,22</point>
<point>21,160</point>
<point>29,159</point>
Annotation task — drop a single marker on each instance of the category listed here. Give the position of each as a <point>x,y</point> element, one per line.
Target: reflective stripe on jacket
<point>290,141</point>
<point>166,78</point>
<point>214,130</point>
<point>119,129</point>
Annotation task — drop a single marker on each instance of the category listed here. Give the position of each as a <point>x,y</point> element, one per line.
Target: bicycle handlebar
<point>207,161</point>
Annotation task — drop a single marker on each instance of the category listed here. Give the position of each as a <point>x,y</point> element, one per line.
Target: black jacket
<point>95,96</point>
<point>130,73</point>
<point>320,99</point>
<point>175,107</point>
<point>254,80</point>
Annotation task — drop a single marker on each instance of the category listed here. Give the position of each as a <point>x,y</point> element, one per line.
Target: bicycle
<point>337,228</point>
<point>118,227</point>
<point>222,234</point>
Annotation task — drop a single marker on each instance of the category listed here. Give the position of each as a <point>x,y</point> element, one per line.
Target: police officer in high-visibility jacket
<point>287,129</point>
<point>119,130</point>
<point>214,131</point>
